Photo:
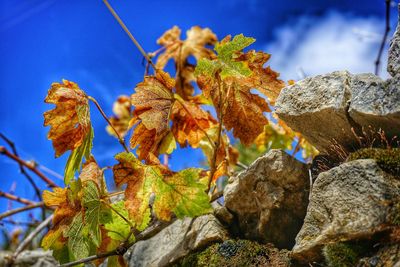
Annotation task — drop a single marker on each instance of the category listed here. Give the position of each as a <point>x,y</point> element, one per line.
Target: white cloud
<point>311,46</point>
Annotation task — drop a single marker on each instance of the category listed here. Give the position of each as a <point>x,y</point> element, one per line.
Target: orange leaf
<point>122,111</point>
<point>195,45</point>
<point>153,102</point>
<point>190,123</point>
<point>69,121</point>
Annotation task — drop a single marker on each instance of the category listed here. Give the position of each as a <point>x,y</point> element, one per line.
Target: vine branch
<point>139,47</point>
<point>384,38</point>
<point>149,232</point>
<point>16,198</point>
<point>21,167</point>
<point>28,165</point>
<point>15,211</point>
<point>120,139</point>
<point>32,235</point>
<point>217,144</point>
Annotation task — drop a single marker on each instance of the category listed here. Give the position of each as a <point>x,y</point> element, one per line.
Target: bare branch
<point>16,198</point>
<point>32,235</point>
<point>385,36</point>
<point>15,211</point>
<point>21,167</point>
<point>28,165</point>
<point>19,223</point>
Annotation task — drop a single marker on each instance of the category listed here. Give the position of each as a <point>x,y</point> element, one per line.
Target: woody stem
<point>120,139</point>
<point>139,47</point>
<point>31,167</point>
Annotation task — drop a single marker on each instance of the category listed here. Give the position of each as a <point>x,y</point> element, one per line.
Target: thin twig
<point>216,147</point>
<point>16,198</point>
<point>19,223</point>
<point>385,36</point>
<point>113,194</point>
<point>21,167</point>
<point>118,213</point>
<point>24,172</point>
<point>216,196</point>
<point>32,235</point>
<point>15,211</point>
<point>139,47</point>
<point>311,184</point>
<point>31,167</point>
<point>241,165</point>
<point>120,139</point>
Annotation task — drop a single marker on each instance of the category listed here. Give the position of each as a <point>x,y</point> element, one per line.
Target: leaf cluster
<point>162,113</point>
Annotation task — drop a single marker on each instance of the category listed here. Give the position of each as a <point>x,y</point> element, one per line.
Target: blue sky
<point>43,41</point>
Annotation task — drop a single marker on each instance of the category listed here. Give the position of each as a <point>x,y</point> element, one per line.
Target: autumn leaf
<point>195,45</point>
<point>226,157</point>
<point>132,172</point>
<point>190,123</point>
<point>153,102</point>
<point>179,193</point>
<point>228,81</point>
<point>120,121</point>
<point>66,209</point>
<point>81,210</point>
<point>110,244</point>
<point>70,126</point>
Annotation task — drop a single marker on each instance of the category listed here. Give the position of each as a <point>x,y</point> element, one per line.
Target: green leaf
<point>96,213</point>
<point>168,144</point>
<point>74,162</point>
<point>78,243</point>
<point>118,228</point>
<point>225,62</point>
<point>182,193</point>
<point>226,50</point>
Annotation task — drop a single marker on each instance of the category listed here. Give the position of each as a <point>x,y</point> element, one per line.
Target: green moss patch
<point>387,159</point>
<point>235,253</point>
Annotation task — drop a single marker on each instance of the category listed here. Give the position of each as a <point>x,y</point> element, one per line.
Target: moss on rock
<point>387,159</point>
<point>342,254</point>
<point>235,253</point>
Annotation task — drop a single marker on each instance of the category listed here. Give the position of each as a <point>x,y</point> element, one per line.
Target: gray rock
<point>347,202</point>
<point>325,108</point>
<point>394,52</point>
<point>317,108</point>
<point>269,199</point>
<point>222,213</point>
<point>376,103</point>
<point>176,241</point>
<point>31,258</point>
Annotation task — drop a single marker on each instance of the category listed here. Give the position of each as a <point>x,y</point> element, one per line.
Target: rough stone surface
<point>325,108</point>
<point>388,255</point>
<point>269,199</point>
<point>222,213</point>
<point>394,52</point>
<point>31,258</point>
<point>176,241</point>
<point>347,202</point>
<point>376,103</point>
